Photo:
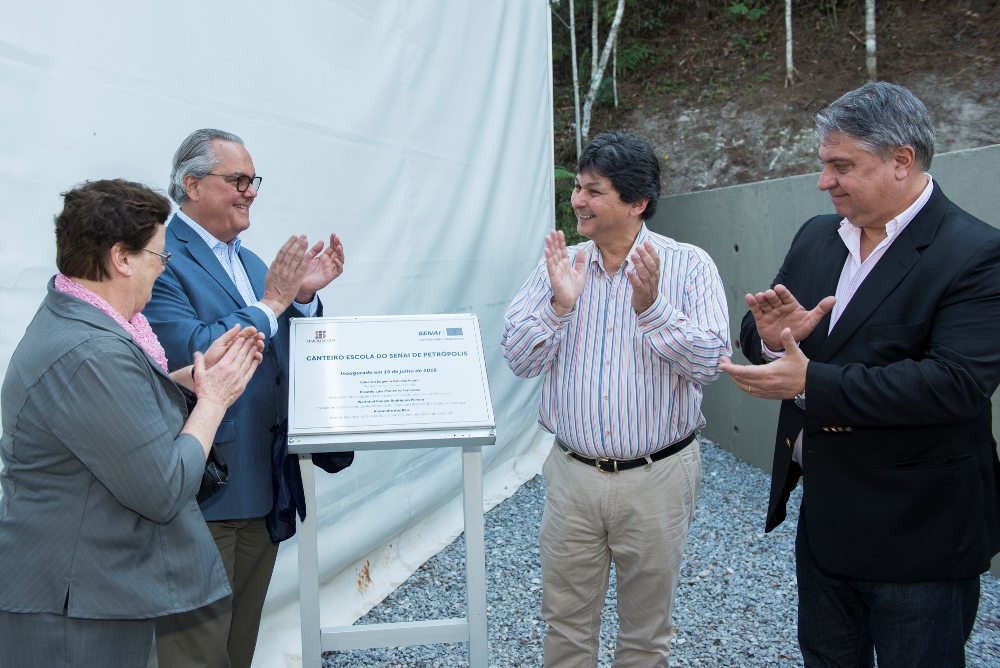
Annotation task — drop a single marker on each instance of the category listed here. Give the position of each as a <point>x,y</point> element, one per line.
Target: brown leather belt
<point>606,465</point>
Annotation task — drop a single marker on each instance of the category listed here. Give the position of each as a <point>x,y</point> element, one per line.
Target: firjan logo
<point>320,334</point>
<point>453,331</point>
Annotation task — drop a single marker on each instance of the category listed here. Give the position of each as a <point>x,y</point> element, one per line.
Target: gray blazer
<point>98,518</point>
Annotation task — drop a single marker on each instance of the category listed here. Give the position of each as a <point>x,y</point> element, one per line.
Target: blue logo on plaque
<point>453,331</point>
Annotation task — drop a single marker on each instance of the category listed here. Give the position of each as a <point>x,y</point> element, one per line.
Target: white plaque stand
<point>433,416</point>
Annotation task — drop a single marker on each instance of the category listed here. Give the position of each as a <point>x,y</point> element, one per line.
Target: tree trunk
<point>593,38</point>
<point>789,67</point>
<point>596,75</point>
<point>576,78</point>
<point>870,39</point>
<point>614,71</point>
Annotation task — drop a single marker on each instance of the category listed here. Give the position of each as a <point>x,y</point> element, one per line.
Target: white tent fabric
<point>420,132</point>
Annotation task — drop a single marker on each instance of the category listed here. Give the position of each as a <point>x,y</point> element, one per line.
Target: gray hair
<point>882,117</point>
<point>195,157</point>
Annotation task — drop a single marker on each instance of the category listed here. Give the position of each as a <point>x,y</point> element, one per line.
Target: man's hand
<point>781,379</point>
<point>285,275</point>
<point>323,269</point>
<point>776,309</point>
<point>645,278</point>
<point>566,279</point>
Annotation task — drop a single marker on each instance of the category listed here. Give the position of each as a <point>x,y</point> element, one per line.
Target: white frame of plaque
<point>471,343</point>
<point>469,434</point>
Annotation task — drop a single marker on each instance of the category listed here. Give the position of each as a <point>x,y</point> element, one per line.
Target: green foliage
<point>750,9</point>
<point>646,16</point>
<point>668,85</point>
<point>605,90</point>
<point>634,57</point>
<point>565,216</point>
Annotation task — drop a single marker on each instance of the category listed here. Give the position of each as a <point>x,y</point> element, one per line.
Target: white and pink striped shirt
<point>618,384</point>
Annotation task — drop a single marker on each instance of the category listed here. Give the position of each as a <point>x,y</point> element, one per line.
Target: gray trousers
<point>45,640</point>
<point>639,518</point>
<point>224,634</point>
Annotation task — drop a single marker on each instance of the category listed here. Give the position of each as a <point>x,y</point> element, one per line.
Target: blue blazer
<point>194,301</point>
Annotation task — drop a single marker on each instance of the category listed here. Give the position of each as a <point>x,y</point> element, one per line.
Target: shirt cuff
<point>657,315</point>
<point>270,317</point>
<point>552,320</point>
<point>308,310</point>
<point>768,354</point>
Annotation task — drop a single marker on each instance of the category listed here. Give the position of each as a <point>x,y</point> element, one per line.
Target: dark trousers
<point>224,634</point>
<point>44,640</point>
<point>844,622</point>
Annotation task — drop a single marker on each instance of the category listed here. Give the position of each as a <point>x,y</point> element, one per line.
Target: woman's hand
<point>218,350</point>
<point>220,385</point>
<point>223,382</point>
<point>219,347</point>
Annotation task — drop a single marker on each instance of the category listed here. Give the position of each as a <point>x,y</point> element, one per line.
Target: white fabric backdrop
<point>420,132</point>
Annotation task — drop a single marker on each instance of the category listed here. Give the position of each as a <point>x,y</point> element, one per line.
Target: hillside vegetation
<point>703,80</point>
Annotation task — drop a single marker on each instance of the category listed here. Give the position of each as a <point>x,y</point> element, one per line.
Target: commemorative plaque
<point>383,374</point>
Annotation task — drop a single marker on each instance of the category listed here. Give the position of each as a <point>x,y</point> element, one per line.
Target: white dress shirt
<point>228,255</point>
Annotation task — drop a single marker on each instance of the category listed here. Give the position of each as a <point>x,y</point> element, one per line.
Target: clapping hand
<point>777,309</point>
<point>223,382</point>
<point>566,279</point>
<point>781,379</point>
<point>645,277</point>
<point>222,344</point>
<point>324,268</point>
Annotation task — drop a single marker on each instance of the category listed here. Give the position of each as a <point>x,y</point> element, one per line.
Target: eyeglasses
<point>241,181</point>
<point>164,257</point>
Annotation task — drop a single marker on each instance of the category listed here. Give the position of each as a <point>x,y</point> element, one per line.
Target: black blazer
<point>902,481</point>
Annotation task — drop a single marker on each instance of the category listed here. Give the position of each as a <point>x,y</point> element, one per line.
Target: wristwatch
<point>800,399</point>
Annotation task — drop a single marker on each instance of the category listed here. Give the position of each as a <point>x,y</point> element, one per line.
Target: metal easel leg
<point>475,555</point>
<point>312,646</point>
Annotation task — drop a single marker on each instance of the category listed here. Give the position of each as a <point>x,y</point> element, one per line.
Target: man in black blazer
<point>881,336</point>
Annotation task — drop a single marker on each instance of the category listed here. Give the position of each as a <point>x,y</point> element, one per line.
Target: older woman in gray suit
<point>102,458</point>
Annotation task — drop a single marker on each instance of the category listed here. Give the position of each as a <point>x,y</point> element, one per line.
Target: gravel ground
<point>735,606</point>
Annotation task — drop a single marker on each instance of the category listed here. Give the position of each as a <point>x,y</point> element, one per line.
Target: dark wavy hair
<point>629,163</point>
<point>98,214</point>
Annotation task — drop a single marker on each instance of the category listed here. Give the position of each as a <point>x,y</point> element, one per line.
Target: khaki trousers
<point>639,518</point>
<point>224,634</point>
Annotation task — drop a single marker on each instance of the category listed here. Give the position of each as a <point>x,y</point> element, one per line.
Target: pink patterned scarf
<point>138,327</point>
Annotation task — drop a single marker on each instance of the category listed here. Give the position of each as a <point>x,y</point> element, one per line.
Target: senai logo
<point>448,331</point>
<point>320,337</point>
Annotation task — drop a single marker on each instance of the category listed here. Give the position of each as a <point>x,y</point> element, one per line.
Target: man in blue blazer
<point>211,284</point>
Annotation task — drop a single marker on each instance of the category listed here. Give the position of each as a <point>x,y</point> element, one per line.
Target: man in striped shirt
<point>625,330</point>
